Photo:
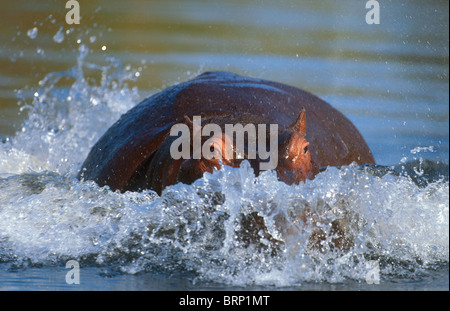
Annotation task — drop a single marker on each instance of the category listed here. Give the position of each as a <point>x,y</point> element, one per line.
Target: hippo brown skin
<point>133,154</point>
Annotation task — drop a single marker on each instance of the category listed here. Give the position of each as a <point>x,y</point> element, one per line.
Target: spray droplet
<point>32,33</point>
<point>59,36</point>
<point>40,51</point>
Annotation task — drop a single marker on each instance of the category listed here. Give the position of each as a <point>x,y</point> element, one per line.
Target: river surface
<point>63,85</point>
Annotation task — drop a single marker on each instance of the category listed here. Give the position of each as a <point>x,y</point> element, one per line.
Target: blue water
<point>391,81</point>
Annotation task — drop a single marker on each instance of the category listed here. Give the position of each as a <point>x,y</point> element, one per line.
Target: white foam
<point>47,216</point>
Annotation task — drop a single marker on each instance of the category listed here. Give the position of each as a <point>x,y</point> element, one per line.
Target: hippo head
<point>220,152</point>
<point>295,163</point>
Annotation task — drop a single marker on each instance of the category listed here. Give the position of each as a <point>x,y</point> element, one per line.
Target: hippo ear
<point>188,122</point>
<point>194,128</point>
<point>300,124</point>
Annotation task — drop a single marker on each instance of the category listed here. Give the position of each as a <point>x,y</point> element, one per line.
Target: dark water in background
<point>390,79</point>
<point>62,86</point>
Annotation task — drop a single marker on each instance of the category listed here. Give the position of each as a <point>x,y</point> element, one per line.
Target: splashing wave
<point>229,227</point>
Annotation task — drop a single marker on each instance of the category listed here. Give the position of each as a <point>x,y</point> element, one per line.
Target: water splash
<point>32,33</point>
<point>229,227</point>
<point>48,218</point>
<point>64,122</point>
<point>59,36</point>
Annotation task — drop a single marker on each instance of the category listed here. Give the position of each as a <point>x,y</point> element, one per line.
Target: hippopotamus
<point>135,153</point>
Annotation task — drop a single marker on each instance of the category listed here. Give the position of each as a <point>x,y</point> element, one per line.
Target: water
<point>63,86</point>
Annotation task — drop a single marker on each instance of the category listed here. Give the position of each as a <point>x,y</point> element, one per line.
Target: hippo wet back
<point>134,153</point>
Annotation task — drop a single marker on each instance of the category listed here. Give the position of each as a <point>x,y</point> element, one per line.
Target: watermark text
<point>373,273</point>
<point>73,16</point>
<point>373,15</point>
<point>73,276</point>
<point>219,146</point>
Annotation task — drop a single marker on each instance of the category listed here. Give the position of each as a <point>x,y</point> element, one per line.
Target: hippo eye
<point>215,151</point>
